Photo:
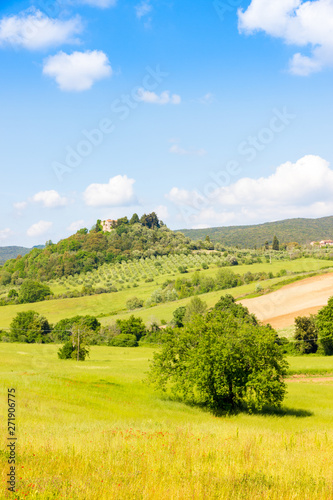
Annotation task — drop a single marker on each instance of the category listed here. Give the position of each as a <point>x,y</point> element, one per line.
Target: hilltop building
<point>108,225</point>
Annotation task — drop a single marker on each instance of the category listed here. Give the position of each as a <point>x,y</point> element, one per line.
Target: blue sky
<point>210,113</point>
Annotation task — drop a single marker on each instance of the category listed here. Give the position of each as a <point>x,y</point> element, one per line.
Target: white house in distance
<point>322,243</point>
<point>108,225</point>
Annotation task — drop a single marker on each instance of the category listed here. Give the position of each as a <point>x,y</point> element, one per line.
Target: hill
<point>7,253</point>
<point>302,231</point>
<point>85,251</point>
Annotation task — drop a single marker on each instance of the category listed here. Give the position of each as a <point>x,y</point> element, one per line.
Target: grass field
<point>94,430</point>
<point>110,306</point>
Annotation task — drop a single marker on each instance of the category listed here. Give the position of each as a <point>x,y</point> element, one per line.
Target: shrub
<point>33,291</point>
<point>134,303</point>
<point>124,340</point>
<point>324,322</point>
<point>30,327</point>
<point>306,334</point>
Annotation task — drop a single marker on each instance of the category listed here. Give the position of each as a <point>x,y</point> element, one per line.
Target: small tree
<point>33,291</point>
<point>78,345</point>
<point>306,334</point>
<point>131,326</point>
<point>275,244</point>
<point>178,316</point>
<point>29,326</point>
<point>324,322</point>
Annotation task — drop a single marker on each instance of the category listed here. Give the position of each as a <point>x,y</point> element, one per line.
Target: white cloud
<point>5,233</point>
<point>301,189</point>
<point>164,98</point>
<point>39,228</point>
<point>162,212</point>
<point>33,30</point>
<point>77,71</point>
<point>178,150</point>
<point>117,192</point>
<point>76,225</point>
<point>20,206</point>
<point>296,22</point>
<point>143,9</point>
<point>50,199</point>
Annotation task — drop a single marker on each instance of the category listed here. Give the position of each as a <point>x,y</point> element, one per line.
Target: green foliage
<point>324,323</point>
<point>306,334</point>
<point>221,362</point>
<point>12,294</point>
<point>77,347</point>
<point>195,307</point>
<point>227,303</point>
<point>275,244</point>
<point>134,303</point>
<point>12,252</point>
<point>131,326</point>
<point>33,291</point>
<point>62,330</point>
<point>178,316</point>
<point>30,327</point>
<point>134,219</point>
<point>124,340</point>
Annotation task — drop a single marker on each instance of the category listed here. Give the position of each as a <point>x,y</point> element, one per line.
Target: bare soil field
<point>301,298</point>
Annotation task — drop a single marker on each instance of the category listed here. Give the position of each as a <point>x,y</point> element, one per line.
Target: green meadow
<point>95,430</point>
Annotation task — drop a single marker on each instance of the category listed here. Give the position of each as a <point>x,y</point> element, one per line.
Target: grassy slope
<point>113,306</point>
<point>113,438</point>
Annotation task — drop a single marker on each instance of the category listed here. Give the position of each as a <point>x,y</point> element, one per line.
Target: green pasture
<point>95,430</point>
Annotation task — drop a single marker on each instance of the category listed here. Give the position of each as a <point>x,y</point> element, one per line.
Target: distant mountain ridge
<point>12,252</point>
<point>302,231</point>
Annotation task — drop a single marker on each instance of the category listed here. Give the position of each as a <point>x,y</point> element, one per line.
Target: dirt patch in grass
<point>301,298</point>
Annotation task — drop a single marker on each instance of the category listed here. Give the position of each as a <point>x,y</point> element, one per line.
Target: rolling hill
<point>302,231</point>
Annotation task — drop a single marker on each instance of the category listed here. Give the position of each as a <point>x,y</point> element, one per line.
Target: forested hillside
<point>302,231</point>
<point>12,252</point>
<point>85,251</point>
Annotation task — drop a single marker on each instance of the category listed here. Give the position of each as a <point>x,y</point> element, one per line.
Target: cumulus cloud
<point>164,98</point>
<point>77,71</point>
<point>76,225</point>
<point>118,192</point>
<point>5,233</point>
<point>50,199</point>
<point>33,30</point>
<point>301,189</point>
<point>296,22</point>
<point>39,228</point>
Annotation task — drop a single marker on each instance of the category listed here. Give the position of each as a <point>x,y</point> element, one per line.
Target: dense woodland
<point>302,231</point>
